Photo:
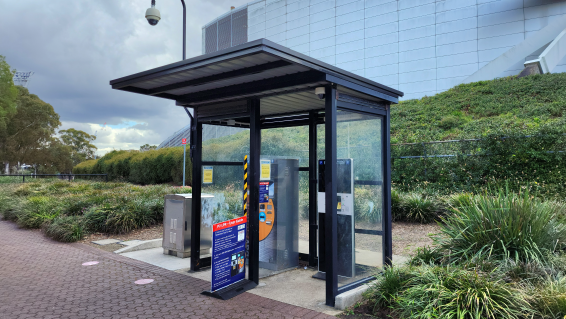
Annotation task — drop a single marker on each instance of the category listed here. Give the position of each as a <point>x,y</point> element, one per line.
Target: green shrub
<point>65,229</point>
<point>549,298</point>
<point>418,208</point>
<point>39,210</point>
<point>385,290</point>
<point>448,292</point>
<point>10,206</point>
<point>86,167</point>
<point>426,256</point>
<point>95,218</point>
<point>460,200</point>
<point>150,167</point>
<point>505,226</point>
<point>129,217</point>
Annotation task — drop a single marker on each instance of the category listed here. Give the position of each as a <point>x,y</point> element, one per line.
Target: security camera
<point>152,15</point>
<point>320,91</point>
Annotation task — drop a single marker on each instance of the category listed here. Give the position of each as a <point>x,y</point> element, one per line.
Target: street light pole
<point>184,29</point>
<point>153,16</point>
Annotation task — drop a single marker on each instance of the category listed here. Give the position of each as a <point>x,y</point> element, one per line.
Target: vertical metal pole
<point>184,161</point>
<point>24,178</point>
<point>196,196</point>
<point>253,178</point>
<point>313,163</point>
<point>184,29</point>
<point>386,160</point>
<point>331,226</point>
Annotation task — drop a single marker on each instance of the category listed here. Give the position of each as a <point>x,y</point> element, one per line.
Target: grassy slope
<point>471,110</point>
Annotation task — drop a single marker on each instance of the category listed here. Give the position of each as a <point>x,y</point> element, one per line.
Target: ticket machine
<point>279,213</point>
<point>345,218</point>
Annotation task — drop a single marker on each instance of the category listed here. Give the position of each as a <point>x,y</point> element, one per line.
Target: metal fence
<point>69,177</point>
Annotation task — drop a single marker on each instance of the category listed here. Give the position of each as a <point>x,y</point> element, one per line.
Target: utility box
<point>177,225</point>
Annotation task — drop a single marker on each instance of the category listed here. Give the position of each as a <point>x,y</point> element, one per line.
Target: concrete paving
<point>40,278</point>
<point>296,287</point>
<point>104,242</point>
<point>156,257</point>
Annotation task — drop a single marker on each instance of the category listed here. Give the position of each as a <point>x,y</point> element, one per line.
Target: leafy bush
<point>94,206</point>
<point>419,208</point>
<point>385,290</point>
<point>426,256</point>
<point>446,292</point>
<point>414,207</point>
<point>150,167</point>
<point>95,218</point>
<point>9,206</point>
<point>65,229</point>
<point>549,298</point>
<point>39,210</point>
<point>508,225</point>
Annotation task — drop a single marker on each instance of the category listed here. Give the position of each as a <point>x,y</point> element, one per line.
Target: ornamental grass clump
<point>549,298</point>
<point>448,292</point>
<point>505,226</point>
<point>69,210</point>
<point>65,229</point>
<point>38,210</point>
<point>419,208</point>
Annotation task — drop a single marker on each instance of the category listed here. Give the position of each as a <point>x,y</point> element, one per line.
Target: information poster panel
<point>207,174</point>
<point>228,252</point>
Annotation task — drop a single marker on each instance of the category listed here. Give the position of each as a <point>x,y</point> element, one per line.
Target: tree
<point>8,94</point>
<point>29,130</point>
<point>147,147</point>
<point>8,98</point>
<point>79,141</point>
<point>55,158</point>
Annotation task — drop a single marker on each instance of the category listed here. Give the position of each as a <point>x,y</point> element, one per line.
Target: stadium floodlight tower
<point>153,16</point>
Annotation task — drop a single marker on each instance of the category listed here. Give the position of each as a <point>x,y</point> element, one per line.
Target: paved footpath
<point>40,278</point>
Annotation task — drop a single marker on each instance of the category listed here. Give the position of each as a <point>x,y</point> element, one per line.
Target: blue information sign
<point>228,252</point>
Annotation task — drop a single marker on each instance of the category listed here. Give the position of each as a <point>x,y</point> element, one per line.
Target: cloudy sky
<point>75,47</point>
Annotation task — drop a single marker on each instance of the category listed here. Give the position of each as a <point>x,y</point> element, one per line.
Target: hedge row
<point>149,167</point>
<point>533,156</point>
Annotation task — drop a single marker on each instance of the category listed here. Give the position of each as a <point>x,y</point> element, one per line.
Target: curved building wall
<point>420,47</point>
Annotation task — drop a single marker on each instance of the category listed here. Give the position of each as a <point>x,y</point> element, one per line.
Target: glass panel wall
<point>359,195</point>
<point>283,208</point>
<point>225,183</point>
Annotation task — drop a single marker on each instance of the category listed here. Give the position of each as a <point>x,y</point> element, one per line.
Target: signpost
<point>228,252</point>
<point>184,142</point>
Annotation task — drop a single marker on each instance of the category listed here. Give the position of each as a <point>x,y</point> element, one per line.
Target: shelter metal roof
<point>219,83</point>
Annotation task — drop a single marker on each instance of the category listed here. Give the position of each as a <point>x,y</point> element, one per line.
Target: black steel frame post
<point>313,192</point>
<point>196,195</point>
<point>387,234</point>
<point>253,179</point>
<point>331,226</point>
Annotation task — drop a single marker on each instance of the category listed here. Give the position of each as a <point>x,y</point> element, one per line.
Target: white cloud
<point>76,47</point>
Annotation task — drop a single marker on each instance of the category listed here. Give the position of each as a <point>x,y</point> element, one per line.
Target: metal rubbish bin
<point>177,225</point>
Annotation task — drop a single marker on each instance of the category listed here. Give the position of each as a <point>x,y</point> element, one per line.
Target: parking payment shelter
<point>327,203</point>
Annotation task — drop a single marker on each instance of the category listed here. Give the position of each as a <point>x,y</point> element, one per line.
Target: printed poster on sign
<point>207,173</point>
<point>265,170</point>
<point>228,252</point>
